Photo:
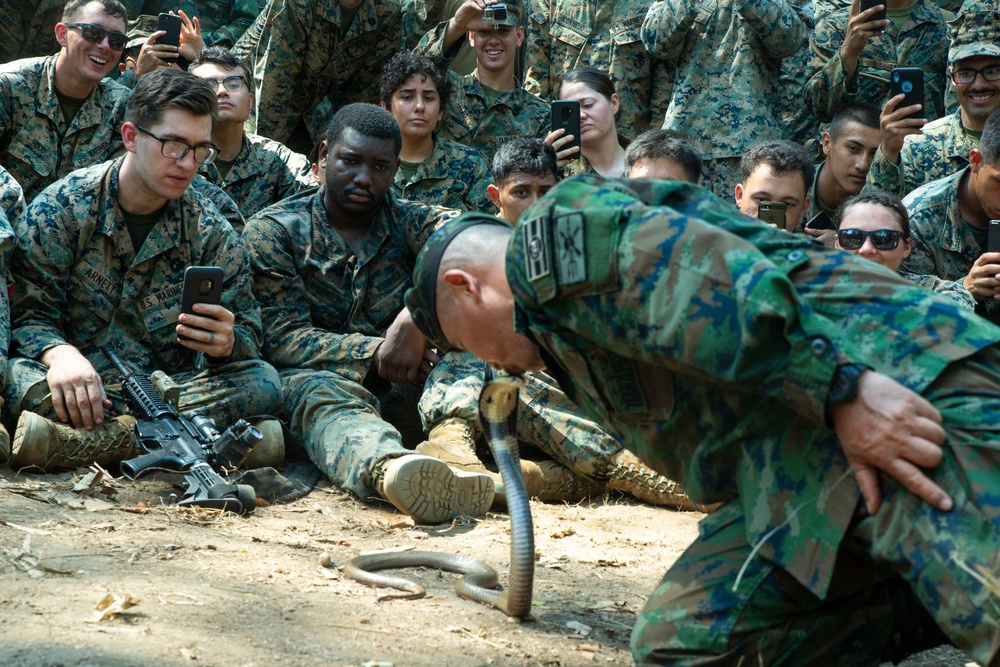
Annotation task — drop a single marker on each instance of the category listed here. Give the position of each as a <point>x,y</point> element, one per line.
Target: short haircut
<point>595,79</point>
<point>164,89</point>
<point>367,119</point>
<point>783,157</point>
<point>659,144</point>
<point>856,112</point>
<point>524,155</point>
<point>216,55</point>
<point>111,7</point>
<point>405,64</point>
<point>876,198</point>
<point>989,144</point>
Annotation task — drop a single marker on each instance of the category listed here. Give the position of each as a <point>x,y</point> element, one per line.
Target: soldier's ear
<point>130,136</point>
<point>463,284</point>
<point>61,31</point>
<point>494,194</point>
<point>975,160</point>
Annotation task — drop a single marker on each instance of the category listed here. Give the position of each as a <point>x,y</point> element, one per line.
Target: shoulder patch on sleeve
<point>536,249</point>
<point>571,251</point>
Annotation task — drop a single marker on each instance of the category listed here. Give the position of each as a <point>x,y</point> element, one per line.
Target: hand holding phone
<point>202,284</point>
<point>881,15</point>
<point>993,237</point>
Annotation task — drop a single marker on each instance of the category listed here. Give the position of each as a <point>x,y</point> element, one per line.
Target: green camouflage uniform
<point>708,342</point>
<point>79,281</point>
<point>470,119</point>
<point>920,42</point>
<point>303,56</point>
<point>453,176</point>
<point>37,146</point>
<point>27,29</point>
<point>564,34</point>
<point>11,197</point>
<point>801,125</point>
<point>265,172</point>
<point>222,21</point>
<point>943,247</point>
<point>327,310</point>
<point>754,35</point>
<point>940,151</point>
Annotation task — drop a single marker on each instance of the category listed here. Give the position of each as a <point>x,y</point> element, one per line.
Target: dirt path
<point>245,592</point>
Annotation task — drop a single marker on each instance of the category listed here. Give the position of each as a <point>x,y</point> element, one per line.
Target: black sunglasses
<point>882,239</point>
<point>96,34</point>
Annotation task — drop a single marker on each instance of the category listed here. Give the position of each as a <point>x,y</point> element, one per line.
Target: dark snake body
<point>498,404</point>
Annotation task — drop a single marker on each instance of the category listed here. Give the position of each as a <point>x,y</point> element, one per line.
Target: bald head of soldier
<point>461,299</point>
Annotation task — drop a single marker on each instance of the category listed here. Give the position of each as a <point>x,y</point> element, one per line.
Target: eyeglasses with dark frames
<point>231,83</point>
<point>176,149</point>
<point>96,34</point>
<point>882,239</point>
<point>964,77</point>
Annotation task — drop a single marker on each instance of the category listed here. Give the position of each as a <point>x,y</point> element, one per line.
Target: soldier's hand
<point>860,28</point>
<point>77,390</point>
<point>153,56</point>
<point>891,428</point>
<point>211,329</point>
<point>401,354</point>
<point>558,139</point>
<point>469,15</point>
<point>983,281</point>
<point>894,126</point>
<point>827,237</point>
<point>191,43</point>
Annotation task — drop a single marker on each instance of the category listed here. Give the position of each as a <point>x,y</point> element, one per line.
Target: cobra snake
<point>498,403</point>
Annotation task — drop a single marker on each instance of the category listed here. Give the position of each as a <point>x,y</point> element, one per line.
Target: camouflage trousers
<point>349,429</point>
<point>546,418</point>
<point>224,393</point>
<point>721,176</point>
<point>699,616</point>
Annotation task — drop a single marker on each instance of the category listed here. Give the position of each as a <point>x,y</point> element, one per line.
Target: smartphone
<point>879,16</point>
<point>566,116</point>
<point>772,212</point>
<point>993,239</point>
<point>820,221</point>
<point>171,23</point>
<point>202,284</point>
<point>910,82</point>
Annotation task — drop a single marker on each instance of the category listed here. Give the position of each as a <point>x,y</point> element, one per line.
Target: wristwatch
<point>844,386</point>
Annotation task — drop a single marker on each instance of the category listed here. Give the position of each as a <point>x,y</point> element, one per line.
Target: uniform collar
<point>327,243</point>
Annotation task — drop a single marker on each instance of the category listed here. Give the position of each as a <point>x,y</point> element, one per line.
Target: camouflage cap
<point>975,33</point>
<point>421,298</point>
<point>514,13</point>
<point>140,29</point>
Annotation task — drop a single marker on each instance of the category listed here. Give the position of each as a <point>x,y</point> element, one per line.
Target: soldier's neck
<point>229,138</point>
<point>71,86</point>
<point>503,81</point>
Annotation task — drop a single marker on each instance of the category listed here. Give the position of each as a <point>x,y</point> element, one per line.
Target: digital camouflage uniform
<point>469,118</point>
<point>754,35</point>
<point>79,281</point>
<point>327,311</point>
<point>564,34</point>
<point>943,246</point>
<point>37,146</point>
<point>940,151</point>
<point>265,172</point>
<point>222,21</point>
<point>453,176</point>
<point>303,55</point>
<point>801,125</point>
<point>707,343</point>
<point>27,29</point>
<point>920,42</point>
<point>11,197</point>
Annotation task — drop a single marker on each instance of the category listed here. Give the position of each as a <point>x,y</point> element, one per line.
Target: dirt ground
<point>191,587</point>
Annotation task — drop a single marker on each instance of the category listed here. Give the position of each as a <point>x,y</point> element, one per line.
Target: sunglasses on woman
<point>96,34</point>
<point>882,239</point>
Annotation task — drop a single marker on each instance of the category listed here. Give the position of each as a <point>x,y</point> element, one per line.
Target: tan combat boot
<point>430,491</point>
<point>270,451</point>
<point>549,481</point>
<point>632,476</point>
<point>41,443</point>
<point>452,442</point>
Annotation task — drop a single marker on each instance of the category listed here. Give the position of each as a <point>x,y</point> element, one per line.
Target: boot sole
<point>431,492</point>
